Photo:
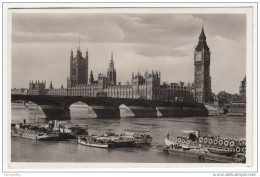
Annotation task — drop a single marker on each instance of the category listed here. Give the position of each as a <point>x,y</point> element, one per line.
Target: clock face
<point>198,56</point>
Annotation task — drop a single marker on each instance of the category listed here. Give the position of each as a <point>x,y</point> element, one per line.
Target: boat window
<point>192,137</point>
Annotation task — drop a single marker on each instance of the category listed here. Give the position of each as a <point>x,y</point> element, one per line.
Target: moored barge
<point>112,140</point>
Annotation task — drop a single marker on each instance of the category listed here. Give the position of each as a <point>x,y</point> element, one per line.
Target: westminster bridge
<point>58,107</point>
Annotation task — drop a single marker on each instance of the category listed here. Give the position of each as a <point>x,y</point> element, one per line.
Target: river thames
<point>26,150</point>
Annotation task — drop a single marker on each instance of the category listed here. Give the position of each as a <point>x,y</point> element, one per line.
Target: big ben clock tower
<point>202,79</point>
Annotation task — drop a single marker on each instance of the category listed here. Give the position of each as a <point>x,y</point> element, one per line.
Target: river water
<point>26,150</point>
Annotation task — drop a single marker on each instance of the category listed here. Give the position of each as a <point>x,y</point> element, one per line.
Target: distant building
<point>21,91</point>
<point>202,79</point>
<point>179,91</point>
<point>37,88</point>
<point>242,89</point>
<point>147,86</point>
<point>111,72</point>
<point>78,69</point>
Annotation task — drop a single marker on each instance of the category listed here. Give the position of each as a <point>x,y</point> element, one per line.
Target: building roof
<point>202,42</point>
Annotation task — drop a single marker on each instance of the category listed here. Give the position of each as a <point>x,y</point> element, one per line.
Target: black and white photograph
<point>164,86</point>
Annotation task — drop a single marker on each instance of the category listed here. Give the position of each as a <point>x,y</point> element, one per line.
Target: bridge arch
<point>139,107</point>
<point>125,111</point>
<point>28,110</point>
<point>81,110</point>
<point>52,106</point>
<point>101,107</point>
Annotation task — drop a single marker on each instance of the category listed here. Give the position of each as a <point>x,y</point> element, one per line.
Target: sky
<point>42,42</point>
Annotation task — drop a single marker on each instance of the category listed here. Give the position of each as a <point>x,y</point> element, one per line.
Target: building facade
<point>78,69</point>
<point>37,88</point>
<point>21,91</point>
<point>143,86</point>
<point>111,72</point>
<point>147,86</point>
<point>202,79</point>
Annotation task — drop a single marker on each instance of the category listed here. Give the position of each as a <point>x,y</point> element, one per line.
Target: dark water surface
<point>26,150</point>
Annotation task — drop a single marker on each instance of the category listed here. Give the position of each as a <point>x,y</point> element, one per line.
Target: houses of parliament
<point>143,86</point>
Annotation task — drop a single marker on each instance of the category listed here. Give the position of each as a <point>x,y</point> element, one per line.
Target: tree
<point>224,98</point>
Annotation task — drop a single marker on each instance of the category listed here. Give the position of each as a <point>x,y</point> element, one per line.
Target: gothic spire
<point>87,53</point>
<point>202,44</point>
<point>202,34</point>
<point>71,53</point>
<point>79,43</point>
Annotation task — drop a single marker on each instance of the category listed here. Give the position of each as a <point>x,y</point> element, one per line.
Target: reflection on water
<point>25,150</point>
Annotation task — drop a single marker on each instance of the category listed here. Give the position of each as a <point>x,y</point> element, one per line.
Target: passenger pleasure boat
<point>189,143</point>
<point>34,134</point>
<point>95,142</point>
<point>190,139</point>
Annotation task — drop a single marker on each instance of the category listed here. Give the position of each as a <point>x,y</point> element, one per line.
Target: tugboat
<point>189,143</point>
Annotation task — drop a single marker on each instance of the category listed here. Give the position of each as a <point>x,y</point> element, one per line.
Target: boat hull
<point>205,156</point>
<point>95,144</point>
<point>124,144</point>
<point>48,137</point>
<point>228,153</point>
<point>32,136</point>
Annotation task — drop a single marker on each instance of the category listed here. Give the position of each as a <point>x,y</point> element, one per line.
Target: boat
<point>203,154</point>
<point>222,151</point>
<point>185,137</point>
<point>116,140</point>
<point>169,142</point>
<point>119,140</point>
<point>33,131</point>
<point>190,143</point>
<point>193,138</point>
<point>95,142</point>
<point>139,139</point>
<point>187,147</point>
<point>73,131</point>
<point>34,134</point>
<point>67,130</point>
